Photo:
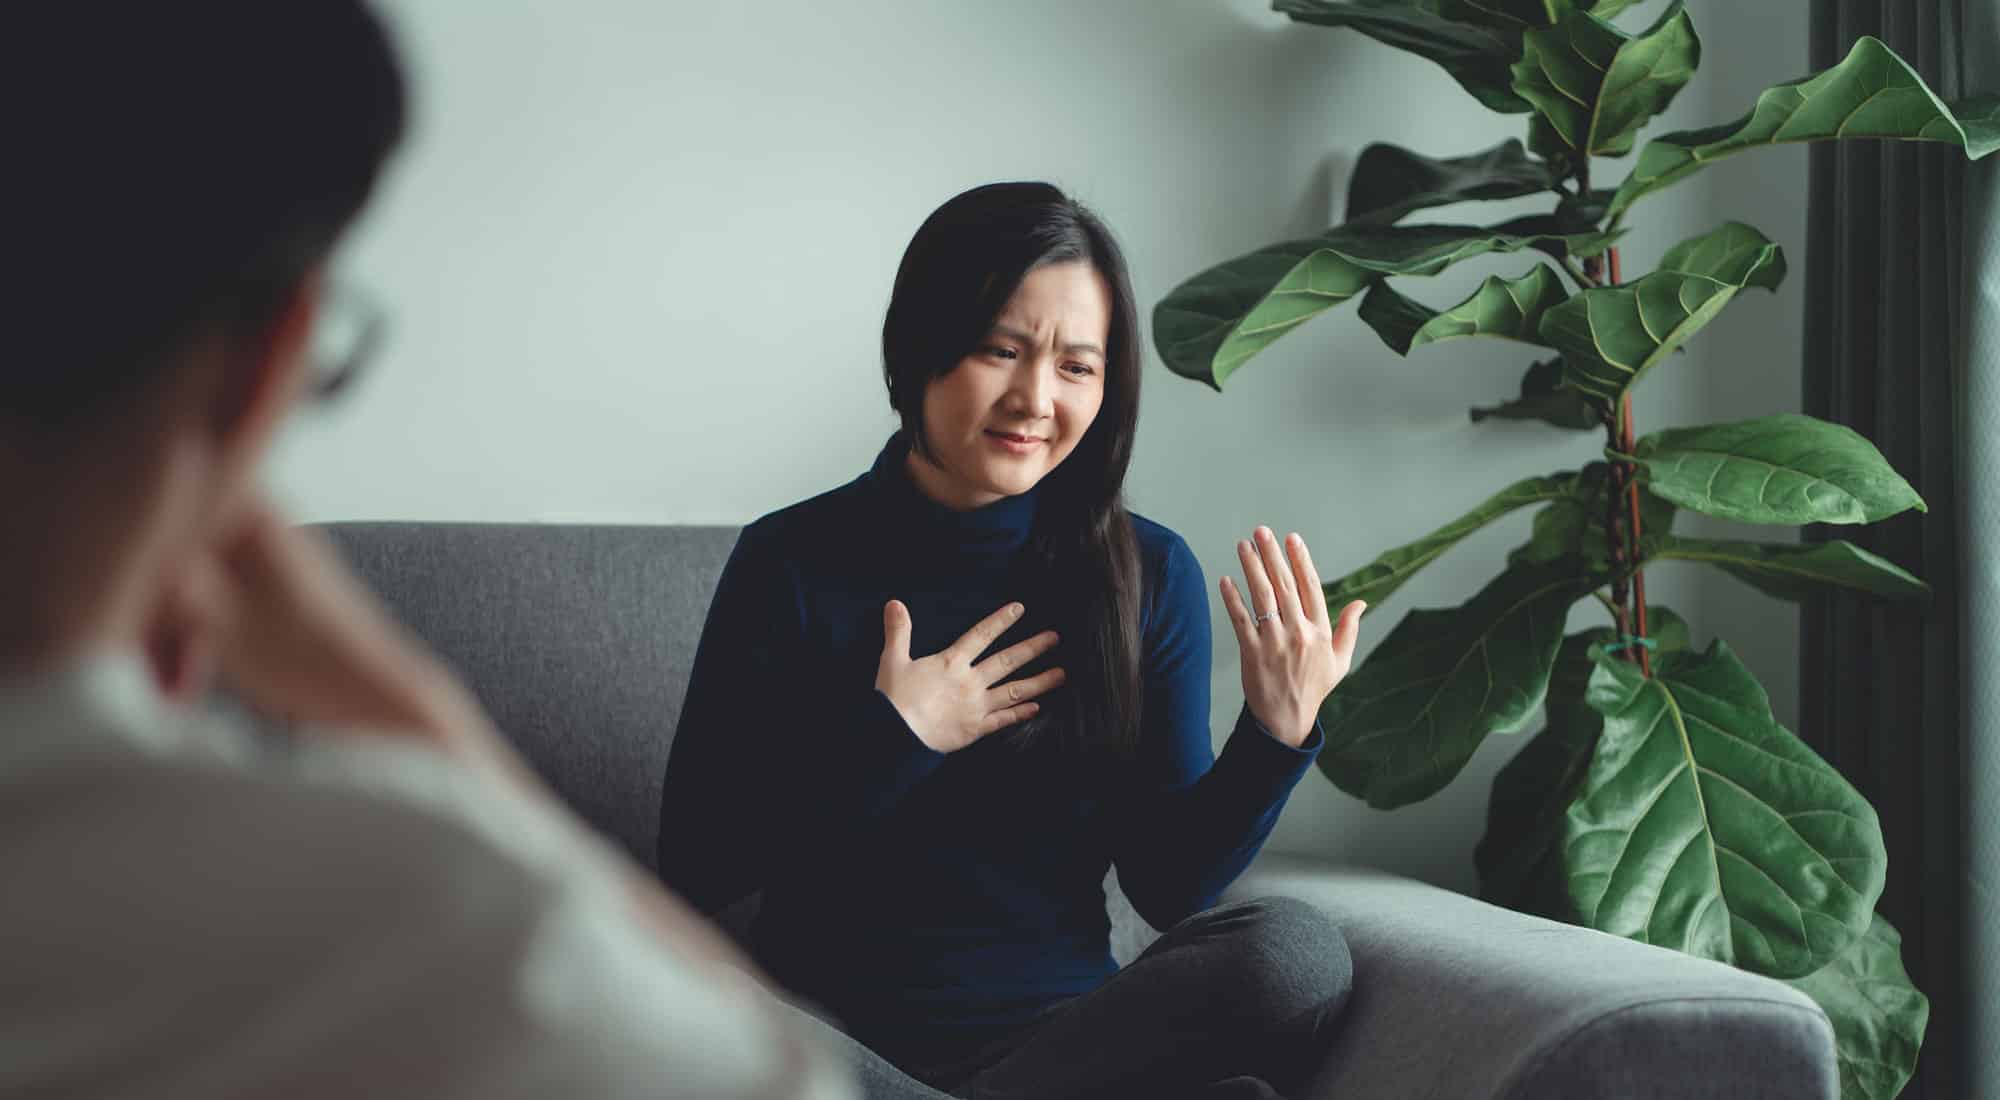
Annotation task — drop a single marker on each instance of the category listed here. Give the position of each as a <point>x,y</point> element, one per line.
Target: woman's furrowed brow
<point>1009,332</point>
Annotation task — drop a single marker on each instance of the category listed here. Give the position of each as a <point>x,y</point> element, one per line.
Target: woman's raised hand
<point>949,701</point>
<point>1293,653</point>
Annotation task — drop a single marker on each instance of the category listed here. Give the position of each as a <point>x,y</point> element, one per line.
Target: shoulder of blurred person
<point>198,909</point>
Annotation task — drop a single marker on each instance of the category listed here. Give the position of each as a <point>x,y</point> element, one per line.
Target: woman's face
<point>1011,411</point>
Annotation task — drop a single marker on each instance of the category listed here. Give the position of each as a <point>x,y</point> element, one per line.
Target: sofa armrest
<point>1455,998</point>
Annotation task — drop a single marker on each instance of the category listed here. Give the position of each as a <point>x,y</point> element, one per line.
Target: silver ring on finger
<point>1259,621</point>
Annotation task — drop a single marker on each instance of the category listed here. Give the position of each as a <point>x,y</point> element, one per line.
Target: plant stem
<point>1614,525</point>
<point>1628,481</point>
<point>1624,485</point>
<point>1593,271</point>
<point>1632,504</point>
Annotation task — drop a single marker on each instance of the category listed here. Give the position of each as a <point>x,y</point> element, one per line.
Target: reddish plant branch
<point>1623,485</point>
<point>1639,569</point>
<point>1630,485</point>
<point>1593,270</point>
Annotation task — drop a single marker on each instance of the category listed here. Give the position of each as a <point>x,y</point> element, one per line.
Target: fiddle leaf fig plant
<point>1661,799</point>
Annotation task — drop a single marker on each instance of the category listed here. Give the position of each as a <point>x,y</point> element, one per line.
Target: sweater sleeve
<point>1189,822</point>
<point>771,767</point>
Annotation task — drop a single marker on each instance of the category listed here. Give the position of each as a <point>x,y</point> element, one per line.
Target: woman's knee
<point>1287,958</point>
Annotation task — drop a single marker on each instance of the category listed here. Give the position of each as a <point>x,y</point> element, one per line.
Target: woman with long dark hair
<point>933,706</point>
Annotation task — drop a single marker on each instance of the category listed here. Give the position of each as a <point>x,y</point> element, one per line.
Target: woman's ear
<point>262,373</point>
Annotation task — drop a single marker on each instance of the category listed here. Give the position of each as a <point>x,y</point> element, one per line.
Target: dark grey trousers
<point>1237,1001</point>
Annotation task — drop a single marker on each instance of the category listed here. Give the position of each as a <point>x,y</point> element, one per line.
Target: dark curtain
<point>1887,305</point>
<point>1979,495</point>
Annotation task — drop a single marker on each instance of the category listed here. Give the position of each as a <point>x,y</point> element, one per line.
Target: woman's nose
<point>1033,389</point>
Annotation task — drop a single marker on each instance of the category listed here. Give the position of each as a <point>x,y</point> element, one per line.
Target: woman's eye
<point>1081,370</point>
<point>998,352</point>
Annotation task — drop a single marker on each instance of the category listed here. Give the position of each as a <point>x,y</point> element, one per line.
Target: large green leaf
<point>1518,858</point>
<point>1775,469</point>
<point>1390,182</point>
<point>1375,581</point>
<point>1707,827</point>
<point>1733,253</point>
<point>1510,309</point>
<point>1476,52</point>
<point>1404,723</point>
<point>1793,571</point>
<point>1212,323</point>
<point>1878,1016</point>
<point>1543,397</point>
<point>1596,86</point>
<point>1573,525</point>
<point>1611,336</point>
<point>1871,94</point>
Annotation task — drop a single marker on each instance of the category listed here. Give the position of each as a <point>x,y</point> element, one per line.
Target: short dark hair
<point>174,165</point>
<point>957,274</point>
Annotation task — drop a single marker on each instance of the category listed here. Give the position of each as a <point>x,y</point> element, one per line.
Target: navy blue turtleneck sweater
<point>930,900</point>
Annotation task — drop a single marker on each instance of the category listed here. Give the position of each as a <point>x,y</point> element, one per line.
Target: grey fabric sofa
<point>579,640</point>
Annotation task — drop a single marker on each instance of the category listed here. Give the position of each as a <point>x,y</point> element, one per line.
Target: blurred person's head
<point>178,173</point>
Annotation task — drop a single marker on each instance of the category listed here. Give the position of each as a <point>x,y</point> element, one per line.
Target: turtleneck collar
<point>1003,525</point>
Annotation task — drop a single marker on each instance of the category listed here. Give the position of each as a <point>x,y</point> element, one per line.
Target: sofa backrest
<point>578,640</point>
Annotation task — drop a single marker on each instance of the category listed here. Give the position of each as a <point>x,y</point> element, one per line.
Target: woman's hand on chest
<point>951,698</point>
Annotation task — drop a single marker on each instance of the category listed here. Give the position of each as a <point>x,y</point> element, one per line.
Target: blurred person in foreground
<point>386,902</point>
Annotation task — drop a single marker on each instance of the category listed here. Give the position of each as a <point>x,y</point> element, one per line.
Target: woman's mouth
<point>1014,442</point>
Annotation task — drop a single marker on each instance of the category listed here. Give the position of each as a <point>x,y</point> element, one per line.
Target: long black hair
<point>956,276</point>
